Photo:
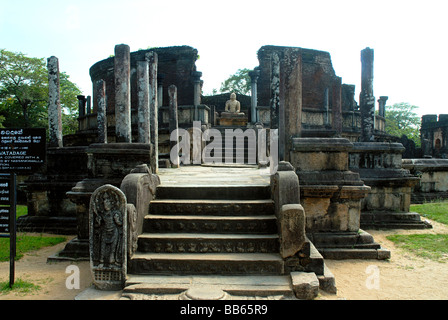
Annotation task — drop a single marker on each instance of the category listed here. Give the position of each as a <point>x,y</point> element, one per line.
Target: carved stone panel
<point>108,237</point>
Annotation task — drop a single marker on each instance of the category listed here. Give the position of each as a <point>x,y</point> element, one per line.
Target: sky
<point>409,37</point>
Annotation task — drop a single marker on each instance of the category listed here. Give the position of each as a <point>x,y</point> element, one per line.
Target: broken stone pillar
<point>160,78</point>
<point>54,107</point>
<point>155,101</point>
<point>108,237</point>
<point>89,104</point>
<point>382,106</point>
<point>173,125</point>
<point>253,102</point>
<point>337,105</point>
<point>275,90</point>
<point>100,88</point>
<point>81,105</point>
<point>122,74</point>
<point>143,101</point>
<point>290,110</point>
<point>366,98</point>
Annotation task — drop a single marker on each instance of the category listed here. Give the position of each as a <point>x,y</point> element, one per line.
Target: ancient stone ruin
<point>143,210</point>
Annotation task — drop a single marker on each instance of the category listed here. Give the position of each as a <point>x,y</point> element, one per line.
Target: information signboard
<point>22,150</point>
<point>8,217</point>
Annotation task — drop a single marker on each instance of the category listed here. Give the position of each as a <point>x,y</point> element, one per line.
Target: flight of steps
<point>227,230</point>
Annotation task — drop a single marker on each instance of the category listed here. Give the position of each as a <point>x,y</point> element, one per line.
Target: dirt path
<point>403,277</point>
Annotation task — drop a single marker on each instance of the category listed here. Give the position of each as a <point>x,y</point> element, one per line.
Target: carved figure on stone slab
<point>233,105</point>
<point>107,222</point>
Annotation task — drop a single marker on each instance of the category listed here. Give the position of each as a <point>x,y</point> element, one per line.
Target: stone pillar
<point>382,106</point>
<point>275,90</point>
<point>337,106</point>
<point>54,107</point>
<point>143,101</point>
<point>122,73</point>
<point>367,100</point>
<point>81,105</point>
<point>100,88</point>
<point>154,104</point>
<point>160,78</point>
<point>89,104</point>
<point>174,146</point>
<point>254,101</point>
<point>197,94</point>
<point>326,106</point>
<point>290,111</point>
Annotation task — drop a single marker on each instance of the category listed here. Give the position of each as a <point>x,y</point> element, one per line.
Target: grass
<point>437,211</point>
<point>20,287</point>
<point>430,246</point>
<point>26,243</point>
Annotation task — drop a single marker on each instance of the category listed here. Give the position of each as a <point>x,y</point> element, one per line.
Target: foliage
<point>402,120</point>
<point>26,243</point>
<point>24,93</point>
<point>238,83</point>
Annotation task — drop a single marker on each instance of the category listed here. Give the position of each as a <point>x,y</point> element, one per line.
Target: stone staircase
<point>209,230</point>
<point>220,232</point>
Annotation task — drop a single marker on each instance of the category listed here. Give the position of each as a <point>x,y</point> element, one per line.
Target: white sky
<point>409,37</point>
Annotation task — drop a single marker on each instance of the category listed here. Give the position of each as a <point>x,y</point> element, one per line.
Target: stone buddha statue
<point>233,105</point>
<point>232,115</point>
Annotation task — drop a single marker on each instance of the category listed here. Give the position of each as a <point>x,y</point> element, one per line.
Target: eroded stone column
<point>100,88</point>
<point>54,106</point>
<point>275,90</point>
<point>143,101</point>
<point>81,105</point>
<point>382,106</point>
<point>367,100</point>
<point>173,125</point>
<point>122,73</point>
<point>154,105</point>
<point>337,106</point>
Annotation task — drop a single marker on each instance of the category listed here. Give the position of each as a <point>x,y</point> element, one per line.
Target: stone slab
<point>305,285</point>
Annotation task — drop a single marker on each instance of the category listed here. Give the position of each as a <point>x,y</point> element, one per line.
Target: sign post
<point>8,201</point>
<point>22,151</point>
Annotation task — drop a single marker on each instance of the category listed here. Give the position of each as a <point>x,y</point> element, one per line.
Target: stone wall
<point>435,131</point>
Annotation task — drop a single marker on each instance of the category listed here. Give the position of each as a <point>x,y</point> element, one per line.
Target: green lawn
<point>431,246</point>
<point>437,211</point>
<point>26,243</point>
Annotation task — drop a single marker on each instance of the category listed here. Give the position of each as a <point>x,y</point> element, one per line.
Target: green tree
<point>402,120</point>
<point>238,83</point>
<point>24,93</point>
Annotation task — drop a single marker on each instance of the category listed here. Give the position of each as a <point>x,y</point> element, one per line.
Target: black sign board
<point>8,217</point>
<point>22,150</point>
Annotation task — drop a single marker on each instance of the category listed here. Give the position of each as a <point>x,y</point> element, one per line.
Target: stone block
<point>305,285</point>
<point>292,229</point>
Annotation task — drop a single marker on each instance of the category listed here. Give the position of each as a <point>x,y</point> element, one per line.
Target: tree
<point>402,120</point>
<point>24,93</point>
<point>238,83</point>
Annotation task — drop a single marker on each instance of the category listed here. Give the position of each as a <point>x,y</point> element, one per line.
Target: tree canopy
<point>24,93</point>
<point>402,120</point>
<point>238,83</point>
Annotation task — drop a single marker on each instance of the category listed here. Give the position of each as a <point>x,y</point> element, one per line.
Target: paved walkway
<point>215,175</point>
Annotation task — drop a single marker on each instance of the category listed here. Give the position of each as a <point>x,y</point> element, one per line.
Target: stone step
<point>207,243</point>
<point>214,192</point>
<point>206,263</point>
<point>256,286</point>
<point>215,224</point>
<point>211,207</point>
